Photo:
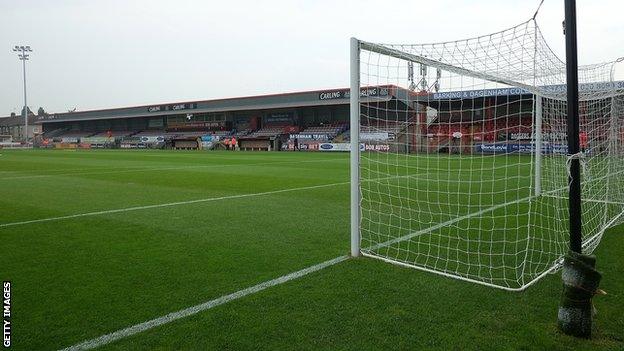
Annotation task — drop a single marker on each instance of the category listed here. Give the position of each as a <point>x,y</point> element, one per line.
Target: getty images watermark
<point>6,314</point>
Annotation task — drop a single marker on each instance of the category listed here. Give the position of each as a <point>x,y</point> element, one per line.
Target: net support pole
<point>538,145</point>
<point>354,100</point>
<point>579,275</point>
<point>573,126</point>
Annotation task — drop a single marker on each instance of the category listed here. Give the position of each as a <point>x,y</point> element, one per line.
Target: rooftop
<point>248,103</point>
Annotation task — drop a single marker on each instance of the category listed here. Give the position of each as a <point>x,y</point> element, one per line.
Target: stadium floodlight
<point>23,55</point>
<point>478,190</point>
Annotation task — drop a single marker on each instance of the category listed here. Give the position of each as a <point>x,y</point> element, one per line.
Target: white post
<point>355,147</point>
<point>538,145</point>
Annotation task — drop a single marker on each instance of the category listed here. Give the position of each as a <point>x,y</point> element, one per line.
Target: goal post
<point>463,170</point>
<point>537,133</point>
<point>354,100</point>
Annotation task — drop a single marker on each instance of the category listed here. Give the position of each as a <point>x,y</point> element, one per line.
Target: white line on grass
<point>459,219</point>
<point>150,169</point>
<point>141,327</point>
<point>447,223</point>
<point>168,204</point>
<point>25,174</point>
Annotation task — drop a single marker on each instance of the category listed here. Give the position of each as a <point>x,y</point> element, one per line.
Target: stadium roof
<point>515,91</point>
<point>457,100</point>
<point>249,103</point>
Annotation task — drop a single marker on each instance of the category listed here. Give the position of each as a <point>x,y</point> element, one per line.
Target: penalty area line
<point>169,204</point>
<point>188,202</point>
<point>171,317</point>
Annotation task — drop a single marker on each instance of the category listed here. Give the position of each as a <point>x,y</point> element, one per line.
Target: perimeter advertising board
<point>345,147</point>
<point>504,148</point>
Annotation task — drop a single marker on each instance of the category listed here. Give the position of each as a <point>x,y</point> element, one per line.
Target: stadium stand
<point>389,128</point>
<point>53,133</point>
<point>152,133</point>
<point>270,131</point>
<point>115,134</point>
<point>242,133</point>
<point>75,134</point>
<point>220,133</point>
<point>266,132</point>
<point>343,137</point>
<point>275,121</point>
<point>325,132</point>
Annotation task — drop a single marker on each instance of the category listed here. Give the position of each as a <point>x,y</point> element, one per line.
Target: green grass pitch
<point>78,278</point>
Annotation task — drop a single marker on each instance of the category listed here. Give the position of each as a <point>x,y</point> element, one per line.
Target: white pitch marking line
<point>138,328</point>
<point>136,208</point>
<point>103,171</point>
<point>25,172</point>
<point>150,169</point>
<point>141,327</point>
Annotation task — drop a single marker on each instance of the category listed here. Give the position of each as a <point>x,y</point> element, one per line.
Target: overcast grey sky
<point>100,54</point>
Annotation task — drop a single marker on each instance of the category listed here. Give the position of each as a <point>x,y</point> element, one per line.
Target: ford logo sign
<point>327,146</point>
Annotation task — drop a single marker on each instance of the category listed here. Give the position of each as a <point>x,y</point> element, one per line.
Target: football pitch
<point>97,243</point>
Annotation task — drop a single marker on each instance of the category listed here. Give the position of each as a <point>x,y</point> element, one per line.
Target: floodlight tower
<point>23,54</point>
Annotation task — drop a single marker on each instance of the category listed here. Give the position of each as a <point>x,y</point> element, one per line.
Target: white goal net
<point>463,171</point>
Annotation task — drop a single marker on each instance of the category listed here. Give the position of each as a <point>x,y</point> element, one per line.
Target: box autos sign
<point>376,147</point>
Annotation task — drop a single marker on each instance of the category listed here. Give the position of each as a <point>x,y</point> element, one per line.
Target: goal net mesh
<point>464,162</point>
